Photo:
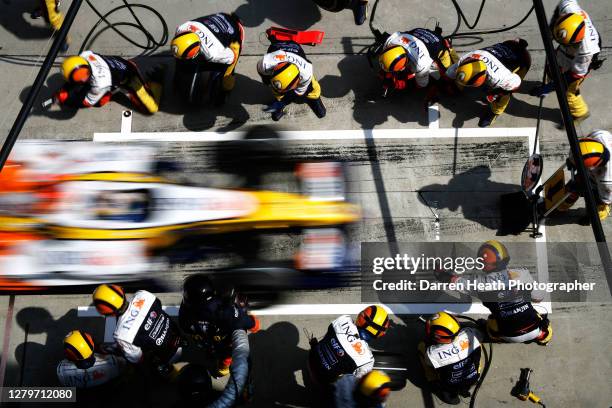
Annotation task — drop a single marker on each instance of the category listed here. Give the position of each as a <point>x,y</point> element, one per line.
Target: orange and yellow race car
<point>103,193</point>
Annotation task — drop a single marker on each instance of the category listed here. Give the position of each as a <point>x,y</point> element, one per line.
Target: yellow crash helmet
<point>109,299</point>
<point>495,255</point>
<point>186,45</point>
<point>393,59</point>
<point>375,386</point>
<point>442,328</point>
<point>285,77</point>
<point>569,29</point>
<point>76,69</point>
<point>79,348</point>
<point>593,153</point>
<point>471,72</point>
<point>372,322</point>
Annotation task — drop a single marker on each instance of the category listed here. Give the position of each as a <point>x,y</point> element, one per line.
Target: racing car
<point>102,192</point>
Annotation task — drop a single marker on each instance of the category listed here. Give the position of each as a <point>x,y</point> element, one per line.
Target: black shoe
<point>487,119</point>
<point>317,107</point>
<point>36,14</point>
<point>360,12</point>
<point>276,115</point>
<point>64,47</point>
<point>451,398</point>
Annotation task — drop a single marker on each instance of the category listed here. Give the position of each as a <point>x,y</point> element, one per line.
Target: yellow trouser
<point>500,104</point>
<point>55,18</point>
<point>603,210</point>
<point>314,91</point>
<point>149,96</point>
<point>577,105</point>
<point>229,81</point>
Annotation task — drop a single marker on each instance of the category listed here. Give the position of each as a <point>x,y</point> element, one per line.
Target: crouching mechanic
<point>369,391</point>
<point>92,79</point>
<point>288,72</point>
<point>595,151</point>
<point>84,367</point>
<point>144,330</point>
<point>344,349</point>
<point>451,357</point>
<point>419,53</point>
<point>213,44</point>
<point>577,53</point>
<point>213,319</point>
<point>501,67</point>
<point>513,318</point>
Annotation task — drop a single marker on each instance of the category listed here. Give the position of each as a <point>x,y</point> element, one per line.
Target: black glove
<point>444,276</point>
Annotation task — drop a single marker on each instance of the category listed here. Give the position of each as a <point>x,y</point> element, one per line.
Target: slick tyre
<point>190,83</point>
<point>261,151</point>
<point>333,5</point>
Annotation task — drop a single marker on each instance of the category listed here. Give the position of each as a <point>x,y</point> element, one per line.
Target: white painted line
<point>126,122</point>
<point>541,247</point>
<point>314,309</point>
<point>355,134</point>
<point>334,309</point>
<point>433,115</point>
<point>324,310</point>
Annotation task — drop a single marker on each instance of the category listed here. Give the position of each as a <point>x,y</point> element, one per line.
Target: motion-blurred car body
<point>96,193</point>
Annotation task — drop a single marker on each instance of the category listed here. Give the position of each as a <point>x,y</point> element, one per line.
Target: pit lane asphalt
<point>570,372</point>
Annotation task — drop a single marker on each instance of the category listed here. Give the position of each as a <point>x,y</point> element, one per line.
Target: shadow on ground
<point>369,108</point>
<point>473,192</point>
<point>37,362</point>
<point>15,17</point>
<point>275,352</point>
<point>296,14</point>
<point>53,83</point>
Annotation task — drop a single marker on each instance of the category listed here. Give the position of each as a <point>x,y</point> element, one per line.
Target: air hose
<point>488,356</point>
<point>380,37</point>
<point>151,45</point>
<point>455,34</point>
<point>488,360</point>
<point>460,17</point>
